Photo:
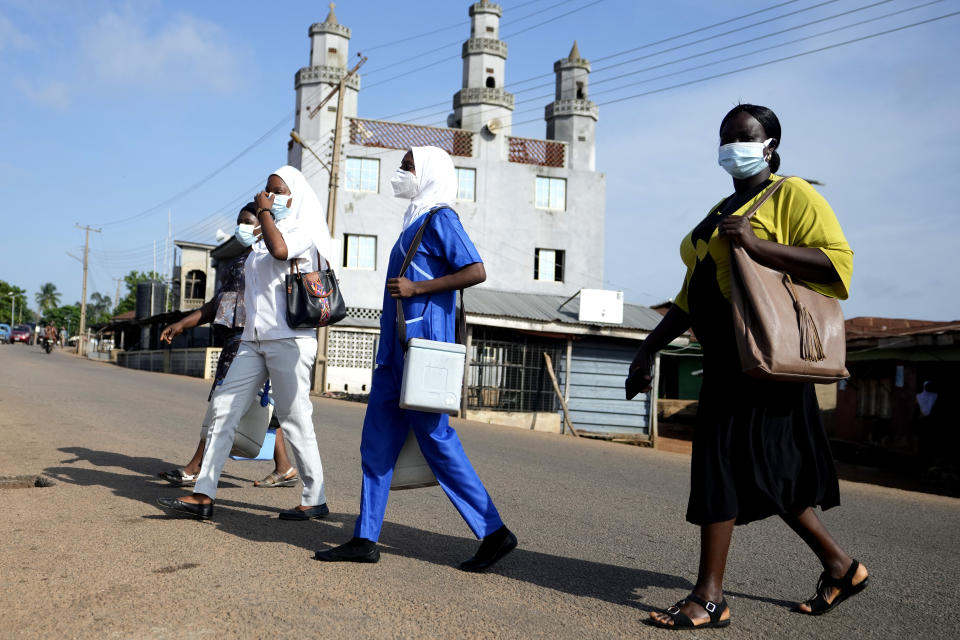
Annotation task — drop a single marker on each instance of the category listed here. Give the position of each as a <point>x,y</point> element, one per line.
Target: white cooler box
<point>432,376</point>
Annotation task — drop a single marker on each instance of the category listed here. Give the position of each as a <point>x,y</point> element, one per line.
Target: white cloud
<point>11,37</point>
<point>52,94</point>
<point>124,49</point>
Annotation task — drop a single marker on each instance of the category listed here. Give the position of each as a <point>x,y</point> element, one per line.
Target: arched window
<point>491,82</point>
<point>581,94</point>
<point>195,285</point>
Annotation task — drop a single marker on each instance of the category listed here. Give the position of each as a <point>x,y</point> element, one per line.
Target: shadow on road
<point>608,582</point>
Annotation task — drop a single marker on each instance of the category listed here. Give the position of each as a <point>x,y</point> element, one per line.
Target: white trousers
<point>288,363</point>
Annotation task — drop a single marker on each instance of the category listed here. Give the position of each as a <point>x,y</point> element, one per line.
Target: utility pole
<point>116,298</point>
<point>320,368</point>
<point>83,299</point>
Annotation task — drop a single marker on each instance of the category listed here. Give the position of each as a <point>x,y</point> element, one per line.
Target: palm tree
<point>48,297</point>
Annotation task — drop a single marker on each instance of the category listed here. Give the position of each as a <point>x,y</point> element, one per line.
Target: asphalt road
<point>601,529</point>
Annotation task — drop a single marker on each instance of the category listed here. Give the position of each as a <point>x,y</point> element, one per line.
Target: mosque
<point>533,207</point>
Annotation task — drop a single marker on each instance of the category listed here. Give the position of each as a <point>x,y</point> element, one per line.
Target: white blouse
<point>265,295</point>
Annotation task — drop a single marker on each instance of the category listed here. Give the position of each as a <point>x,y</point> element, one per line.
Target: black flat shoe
<point>357,550</point>
<point>201,511</point>
<point>494,546</point>
<point>319,511</point>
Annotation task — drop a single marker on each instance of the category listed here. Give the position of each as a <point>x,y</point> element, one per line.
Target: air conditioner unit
<point>601,306</point>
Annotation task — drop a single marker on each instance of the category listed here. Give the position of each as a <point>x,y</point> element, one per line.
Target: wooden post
<point>654,391</point>
<point>466,373</point>
<point>556,389</point>
<point>83,300</point>
<point>566,375</point>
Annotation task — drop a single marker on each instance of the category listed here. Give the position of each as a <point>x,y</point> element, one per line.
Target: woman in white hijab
<point>445,261</point>
<point>293,228</point>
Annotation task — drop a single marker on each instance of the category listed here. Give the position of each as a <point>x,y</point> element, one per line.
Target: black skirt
<point>759,446</point>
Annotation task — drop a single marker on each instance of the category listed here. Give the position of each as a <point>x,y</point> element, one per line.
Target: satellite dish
<point>494,126</point>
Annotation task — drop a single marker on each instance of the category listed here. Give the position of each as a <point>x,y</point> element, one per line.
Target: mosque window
<point>359,252</point>
<point>363,174</point>
<point>466,184</point>
<point>491,82</point>
<point>581,93</point>
<point>548,265</point>
<point>551,193</point>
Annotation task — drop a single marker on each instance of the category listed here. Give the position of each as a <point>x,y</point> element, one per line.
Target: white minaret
<point>329,46</point>
<point>482,98</point>
<point>572,118</point>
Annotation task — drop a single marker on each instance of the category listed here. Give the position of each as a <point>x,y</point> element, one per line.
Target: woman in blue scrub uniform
<point>445,261</point>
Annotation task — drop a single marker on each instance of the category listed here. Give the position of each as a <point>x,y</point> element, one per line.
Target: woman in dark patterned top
<point>227,314</point>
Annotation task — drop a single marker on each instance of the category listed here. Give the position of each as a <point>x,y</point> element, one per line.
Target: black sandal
<point>819,605</point>
<point>683,621</point>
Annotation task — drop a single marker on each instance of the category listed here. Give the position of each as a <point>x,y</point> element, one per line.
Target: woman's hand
<point>738,230</point>
<point>401,288</point>
<point>171,332</point>
<point>263,200</point>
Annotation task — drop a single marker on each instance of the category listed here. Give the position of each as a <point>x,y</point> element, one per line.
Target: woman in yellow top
<point>759,448</point>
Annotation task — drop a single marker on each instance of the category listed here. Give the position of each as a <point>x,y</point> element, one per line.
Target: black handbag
<point>314,299</point>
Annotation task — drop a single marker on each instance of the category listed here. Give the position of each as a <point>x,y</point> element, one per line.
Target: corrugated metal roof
<point>546,308</point>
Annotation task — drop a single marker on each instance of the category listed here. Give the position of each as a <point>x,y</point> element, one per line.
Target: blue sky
<point>112,109</point>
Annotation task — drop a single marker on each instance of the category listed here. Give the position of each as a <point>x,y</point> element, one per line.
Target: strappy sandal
<point>179,477</point>
<point>274,479</point>
<point>683,621</point>
<point>819,605</point>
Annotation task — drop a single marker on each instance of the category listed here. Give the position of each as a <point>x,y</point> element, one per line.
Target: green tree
<point>132,279</point>
<point>98,308</point>
<point>48,297</point>
<point>67,316</point>
<point>7,303</point>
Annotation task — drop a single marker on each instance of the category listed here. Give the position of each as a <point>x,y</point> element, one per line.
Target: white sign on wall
<point>600,305</point>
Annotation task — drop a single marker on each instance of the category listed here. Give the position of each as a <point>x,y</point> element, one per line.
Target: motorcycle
<point>47,345</point>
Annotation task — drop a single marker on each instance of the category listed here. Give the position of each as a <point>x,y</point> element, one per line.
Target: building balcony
<point>491,46</point>
<point>396,135</point>
<point>571,108</point>
<point>327,74</point>
<point>483,95</point>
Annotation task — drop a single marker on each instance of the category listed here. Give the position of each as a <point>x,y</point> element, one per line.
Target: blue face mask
<point>280,208</point>
<point>244,234</point>
<point>743,159</point>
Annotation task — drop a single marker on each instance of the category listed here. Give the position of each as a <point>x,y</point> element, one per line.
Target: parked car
<point>22,333</point>
<point>4,333</point>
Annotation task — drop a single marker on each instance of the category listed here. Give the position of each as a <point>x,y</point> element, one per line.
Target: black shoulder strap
<point>411,251</point>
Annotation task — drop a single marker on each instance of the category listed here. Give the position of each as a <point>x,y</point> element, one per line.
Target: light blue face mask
<point>743,159</point>
<point>280,208</point>
<point>244,234</point>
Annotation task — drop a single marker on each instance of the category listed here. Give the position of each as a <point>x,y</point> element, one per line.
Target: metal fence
<point>395,135</point>
<point>507,372</point>
<point>546,153</point>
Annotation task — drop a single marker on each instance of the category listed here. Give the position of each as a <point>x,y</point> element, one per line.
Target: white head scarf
<point>437,180</point>
<point>926,399</point>
<point>305,210</point>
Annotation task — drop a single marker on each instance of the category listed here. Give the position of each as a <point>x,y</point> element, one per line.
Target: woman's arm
<point>805,263</point>
<point>271,235</point>
<point>203,315</point>
<point>673,324</point>
<point>466,277</point>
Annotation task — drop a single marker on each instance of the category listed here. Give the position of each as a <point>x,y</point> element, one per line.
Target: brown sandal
<point>274,479</point>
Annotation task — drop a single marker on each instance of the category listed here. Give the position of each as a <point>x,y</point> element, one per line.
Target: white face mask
<point>246,234</point>
<point>405,184</point>
<point>281,206</point>
<point>743,159</point>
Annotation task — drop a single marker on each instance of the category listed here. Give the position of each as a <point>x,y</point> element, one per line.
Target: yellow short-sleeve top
<point>796,215</point>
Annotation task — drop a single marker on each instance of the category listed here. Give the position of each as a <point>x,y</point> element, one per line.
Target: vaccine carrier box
<point>432,376</point>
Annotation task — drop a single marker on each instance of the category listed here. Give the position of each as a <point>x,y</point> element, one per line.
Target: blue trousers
<point>385,428</point>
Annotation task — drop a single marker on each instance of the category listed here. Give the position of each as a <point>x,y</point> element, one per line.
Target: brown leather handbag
<point>785,330</point>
